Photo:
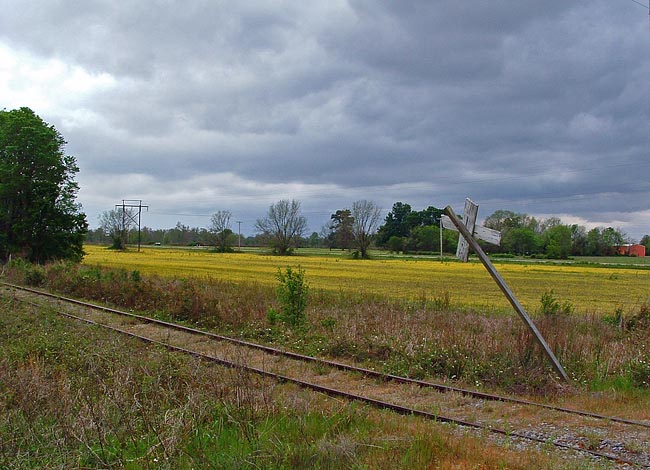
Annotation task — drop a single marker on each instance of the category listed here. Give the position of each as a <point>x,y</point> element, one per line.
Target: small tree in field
<point>284,225</point>
<point>220,228</point>
<point>366,215</point>
<point>116,224</point>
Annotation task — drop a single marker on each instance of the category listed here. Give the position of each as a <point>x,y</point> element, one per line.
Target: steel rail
<point>332,392</point>
<point>338,365</point>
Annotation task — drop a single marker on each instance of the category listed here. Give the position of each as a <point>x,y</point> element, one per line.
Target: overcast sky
<point>540,107</point>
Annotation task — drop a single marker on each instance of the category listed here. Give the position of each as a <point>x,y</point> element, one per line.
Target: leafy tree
<point>557,242</point>
<point>425,238</point>
<point>341,229</point>
<point>220,228</point>
<point>430,216</point>
<point>578,240</point>
<point>39,218</point>
<point>396,244</point>
<point>292,294</point>
<point>503,220</point>
<point>594,244</point>
<point>645,241</point>
<point>284,225</point>
<point>602,241</point>
<point>184,235</point>
<point>449,241</point>
<point>395,224</point>
<point>520,241</point>
<point>551,222</point>
<point>402,222</point>
<point>366,216</point>
<point>611,239</point>
<point>315,240</point>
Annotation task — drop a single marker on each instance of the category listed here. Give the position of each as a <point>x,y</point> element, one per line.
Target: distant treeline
<point>521,234</point>
<point>411,231</point>
<point>183,235</point>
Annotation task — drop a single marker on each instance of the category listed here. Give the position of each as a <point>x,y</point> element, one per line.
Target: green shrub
<point>35,275</point>
<point>551,305</point>
<point>292,295</point>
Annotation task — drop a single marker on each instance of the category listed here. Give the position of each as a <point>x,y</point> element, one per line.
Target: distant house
<point>631,250</point>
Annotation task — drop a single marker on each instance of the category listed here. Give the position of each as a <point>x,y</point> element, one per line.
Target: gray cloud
<point>541,107</point>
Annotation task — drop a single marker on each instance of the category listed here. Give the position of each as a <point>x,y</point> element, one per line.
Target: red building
<point>631,250</point>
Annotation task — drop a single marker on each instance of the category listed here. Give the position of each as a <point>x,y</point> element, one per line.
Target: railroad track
<point>628,443</point>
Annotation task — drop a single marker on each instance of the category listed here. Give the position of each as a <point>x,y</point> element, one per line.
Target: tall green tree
<point>578,240</point>
<point>39,217</point>
<point>603,241</point>
<point>430,216</point>
<point>395,224</point>
<point>425,238</point>
<point>557,242</point>
<point>341,229</point>
<point>612,238</point>
<point>402,222</point>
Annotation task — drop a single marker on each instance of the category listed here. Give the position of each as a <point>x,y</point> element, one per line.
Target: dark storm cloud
<point>540,107</point>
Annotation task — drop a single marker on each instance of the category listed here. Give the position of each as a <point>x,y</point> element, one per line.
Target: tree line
<point>283,228</point>
<point>407,230</point>
<point>359,227</point>
<point>525,235</point>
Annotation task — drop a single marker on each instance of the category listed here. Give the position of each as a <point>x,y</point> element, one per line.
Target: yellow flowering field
<point>589,289</point>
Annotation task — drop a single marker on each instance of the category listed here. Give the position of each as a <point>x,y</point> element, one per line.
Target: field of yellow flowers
<point>593,289</point>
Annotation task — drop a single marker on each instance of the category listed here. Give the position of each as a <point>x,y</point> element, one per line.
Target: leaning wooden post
<point>467,235</point>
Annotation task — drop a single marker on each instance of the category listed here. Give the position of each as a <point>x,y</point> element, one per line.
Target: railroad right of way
<point>624,441</point>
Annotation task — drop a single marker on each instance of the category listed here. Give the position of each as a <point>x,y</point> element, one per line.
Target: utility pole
<point>131,204</point>
<point>239,233</point>
<point>441,238</point>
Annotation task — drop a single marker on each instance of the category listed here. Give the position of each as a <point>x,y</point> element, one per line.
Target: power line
<point>642,4</point>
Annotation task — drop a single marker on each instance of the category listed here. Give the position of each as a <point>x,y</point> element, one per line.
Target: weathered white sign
<point>469,219</point>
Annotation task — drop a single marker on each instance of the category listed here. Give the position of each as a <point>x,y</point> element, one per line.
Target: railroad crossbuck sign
<point>468,230</point>
<point>478,231</point>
